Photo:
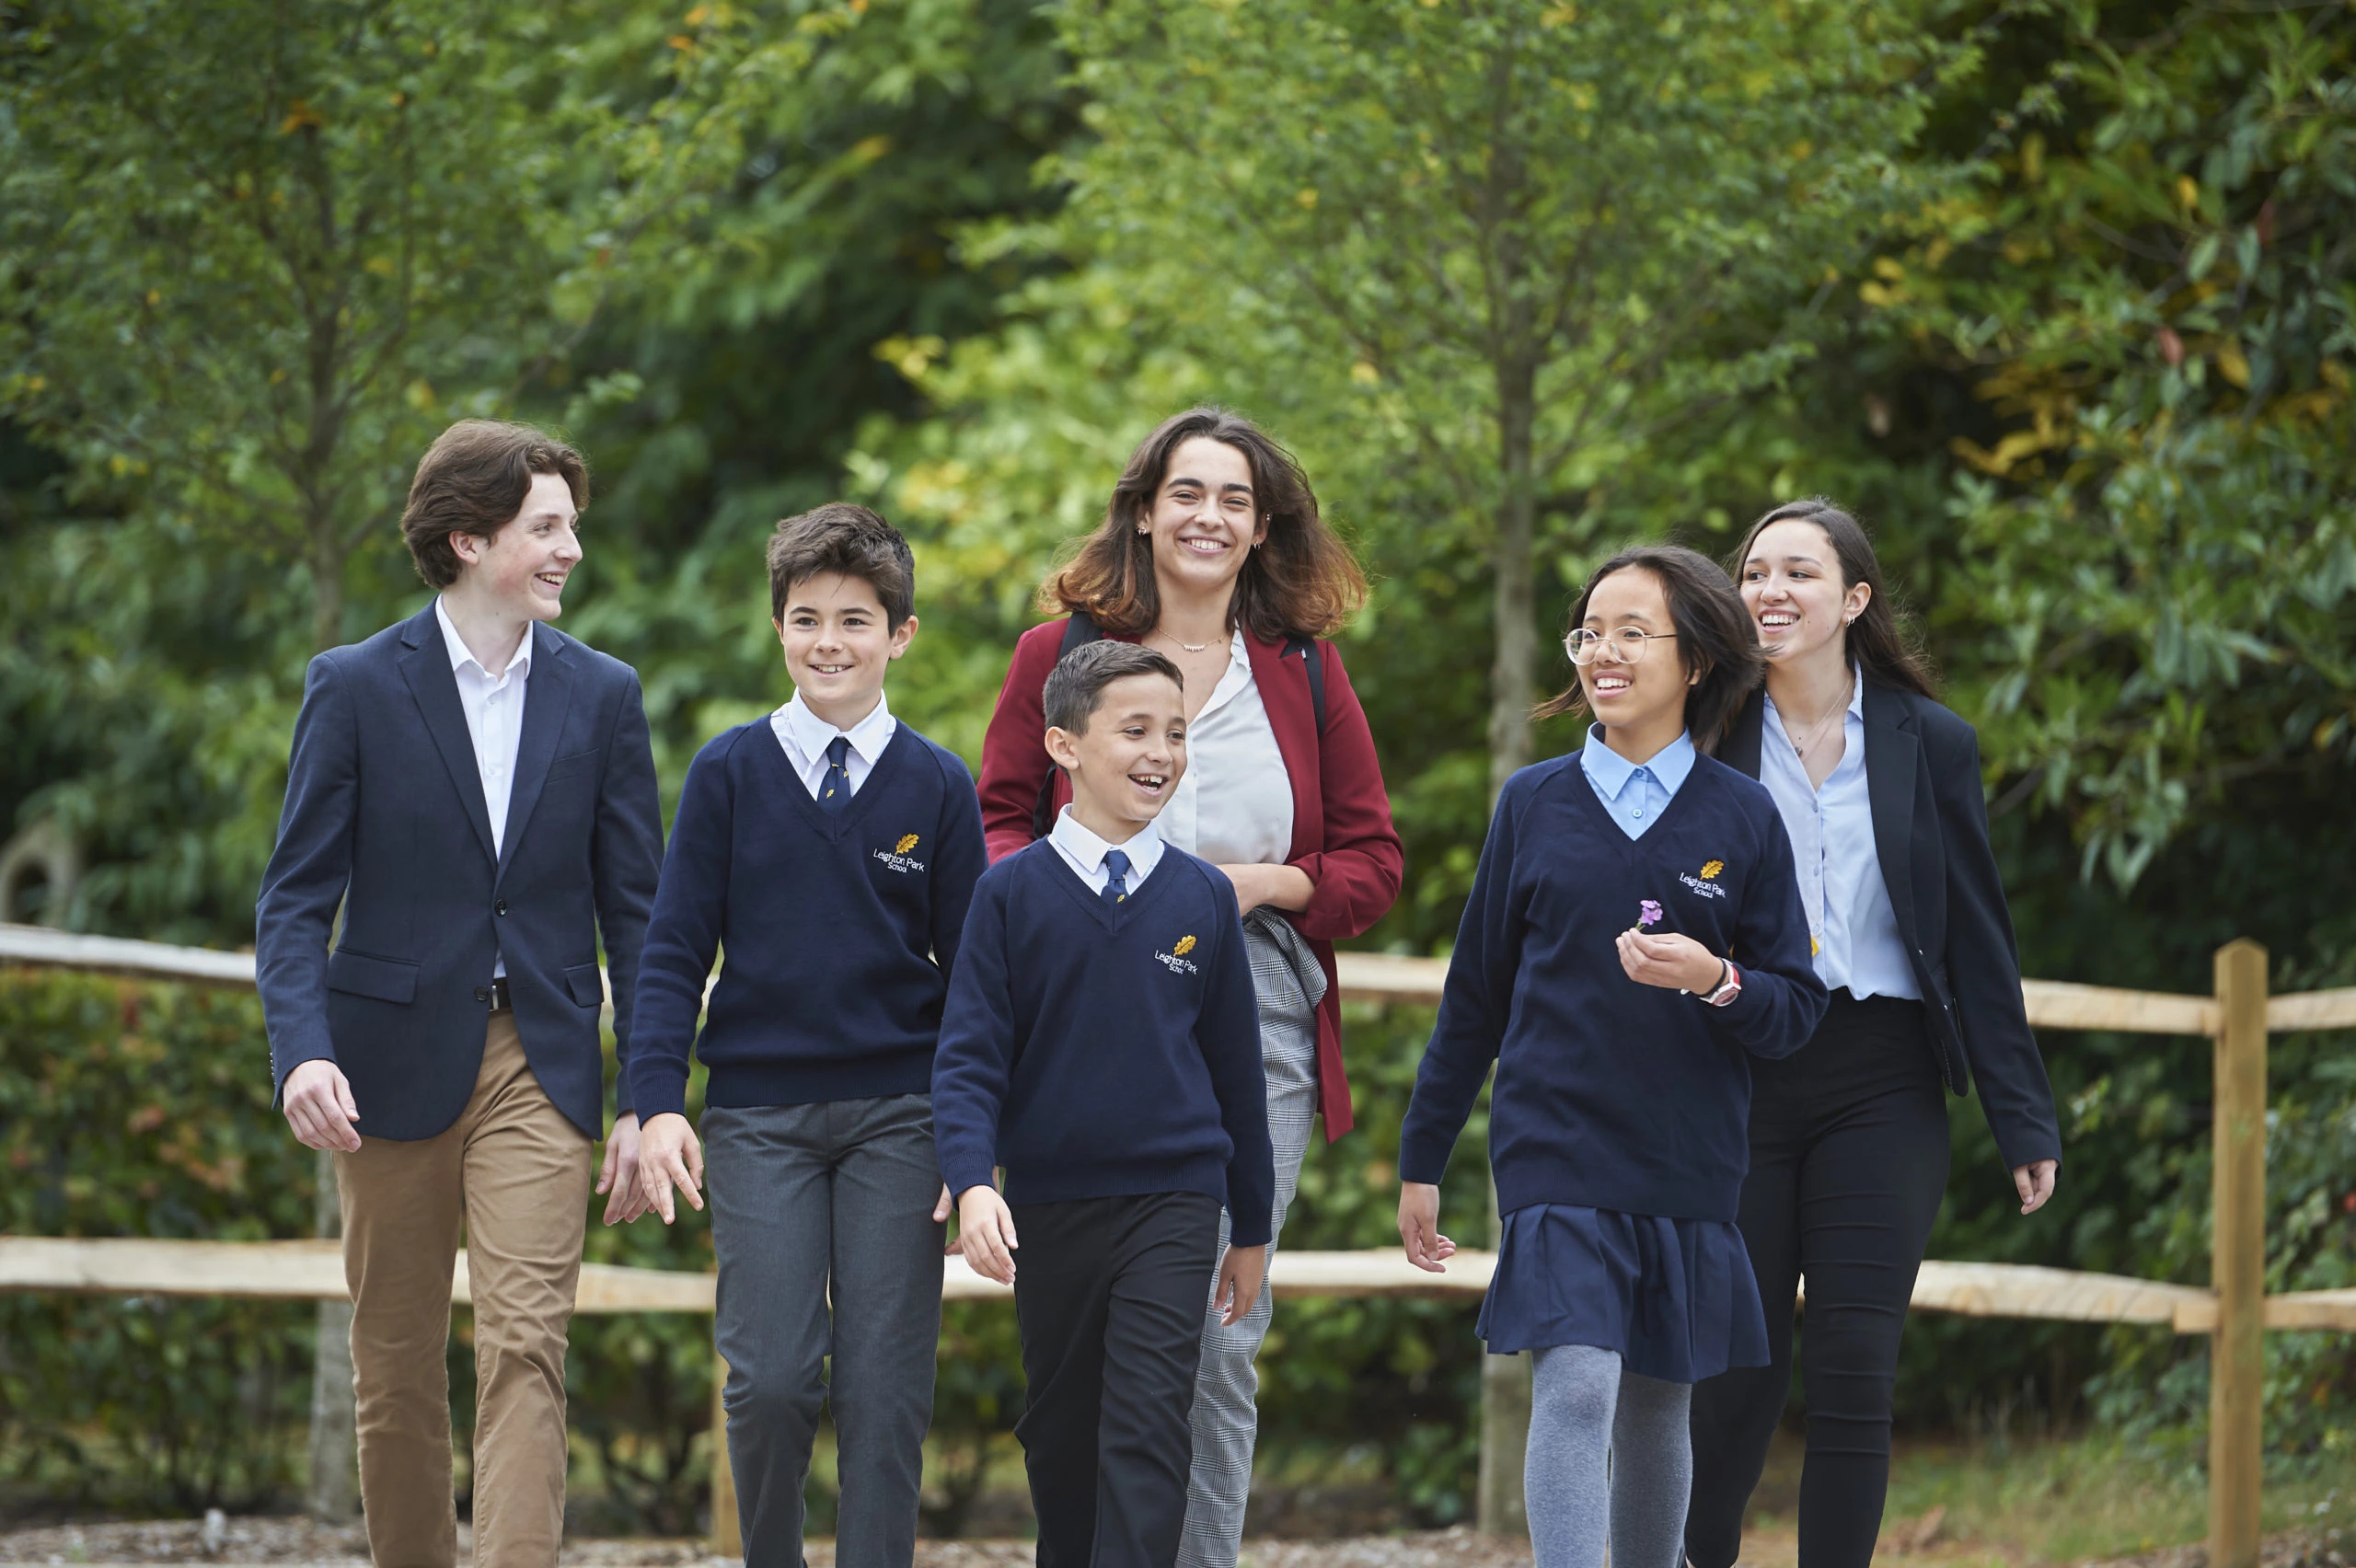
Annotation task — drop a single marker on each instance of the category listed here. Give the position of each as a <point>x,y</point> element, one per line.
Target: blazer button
<point>482,993</point>
<point>499,907</point>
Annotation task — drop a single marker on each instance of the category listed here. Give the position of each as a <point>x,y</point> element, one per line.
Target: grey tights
<point>1610,1457</point>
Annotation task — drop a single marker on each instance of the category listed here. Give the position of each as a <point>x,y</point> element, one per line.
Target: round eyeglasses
<point>1627,642</point>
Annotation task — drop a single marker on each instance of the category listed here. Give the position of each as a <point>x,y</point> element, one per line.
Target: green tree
<point>1511,238</point>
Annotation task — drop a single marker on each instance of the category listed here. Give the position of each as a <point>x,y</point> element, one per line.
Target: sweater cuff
<point>1424,1160</point>
<point>1242,1235</point>
<point>656,1089</point>
<point>962,1172</point>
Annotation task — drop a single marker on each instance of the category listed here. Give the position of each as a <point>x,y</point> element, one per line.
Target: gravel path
<point>276,1542</point>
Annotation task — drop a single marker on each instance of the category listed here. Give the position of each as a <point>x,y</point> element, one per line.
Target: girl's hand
<point>986,1232</point>
<point>1240,1273</point>
<point>1669,961</point>
<point>2034,1181</point>
<point>1419,1226</point>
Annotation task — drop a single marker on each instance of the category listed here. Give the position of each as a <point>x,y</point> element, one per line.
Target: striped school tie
<point>1116,877</point>
<point>834,789</point>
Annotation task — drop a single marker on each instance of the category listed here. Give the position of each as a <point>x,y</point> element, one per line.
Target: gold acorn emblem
<point>908,842</point>
<point>1186,945</point>
<point>1711,870</point>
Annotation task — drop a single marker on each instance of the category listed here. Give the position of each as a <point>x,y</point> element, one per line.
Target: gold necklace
<point>1800,748</point>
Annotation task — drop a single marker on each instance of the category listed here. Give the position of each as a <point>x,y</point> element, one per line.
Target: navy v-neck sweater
<point>1612,1094</point>
<point>1098,1051</point>
<point>838,929</point>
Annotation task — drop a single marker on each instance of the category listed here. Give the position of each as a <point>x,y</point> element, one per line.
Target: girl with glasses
<point>1879,788</point>
<point>1633,942</point>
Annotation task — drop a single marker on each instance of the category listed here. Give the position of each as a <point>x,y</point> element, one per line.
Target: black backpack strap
<point>1306,647</point>
<point>1081,629</point>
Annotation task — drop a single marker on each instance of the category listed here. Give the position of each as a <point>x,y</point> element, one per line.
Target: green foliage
<point>133,1110</point>
<point>2150,285</point>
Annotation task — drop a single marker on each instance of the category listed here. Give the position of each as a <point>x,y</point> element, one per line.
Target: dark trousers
<point>1108,1295</point>
<point>808,1202</point>
<point>1848,1162</point>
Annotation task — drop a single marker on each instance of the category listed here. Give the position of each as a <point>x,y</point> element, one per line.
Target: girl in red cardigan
<point>1212,552</point>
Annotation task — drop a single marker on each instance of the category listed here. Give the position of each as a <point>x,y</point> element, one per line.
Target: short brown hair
<point>1299,579</point>
<point>850,541</point>
<point>1076,685</point>
<point>473,480</point>
<point>1715,638</point>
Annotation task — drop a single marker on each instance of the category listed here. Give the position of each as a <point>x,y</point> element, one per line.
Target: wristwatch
<point>1728,987</point>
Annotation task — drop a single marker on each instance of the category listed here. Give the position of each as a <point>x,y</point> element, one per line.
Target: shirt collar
<point>813,734</point>
<point>1144,848</point>
<point>461,655</point>
<point>1609,772</point>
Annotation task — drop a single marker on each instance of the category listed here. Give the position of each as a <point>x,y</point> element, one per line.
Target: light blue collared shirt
<point>1636,793</point>
<point>1852,927</point>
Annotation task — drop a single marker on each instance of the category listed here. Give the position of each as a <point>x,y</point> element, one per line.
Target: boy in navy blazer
<point>476,791</point>
<point>830,851</point>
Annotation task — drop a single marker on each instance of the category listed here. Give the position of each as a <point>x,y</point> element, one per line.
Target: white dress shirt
<point>494,710</point>
<point>1084,852</point>
<point>805,738</point>
<point>1233,807</point>
<point>1636,793</point>
<point>1852,927</point>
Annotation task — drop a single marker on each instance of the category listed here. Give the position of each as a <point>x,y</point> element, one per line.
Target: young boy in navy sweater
<point>832,851</point>
<point>1102,1045</point>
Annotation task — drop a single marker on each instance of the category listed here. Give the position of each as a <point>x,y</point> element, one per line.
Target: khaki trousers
<point>514,1174</point>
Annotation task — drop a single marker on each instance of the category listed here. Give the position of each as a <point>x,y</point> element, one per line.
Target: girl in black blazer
<point>1879,789</point>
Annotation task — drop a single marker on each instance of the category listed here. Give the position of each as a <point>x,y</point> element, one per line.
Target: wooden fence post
<point>1497,1502</point>
<point>727,1538</point>
<point>2237,1266</point>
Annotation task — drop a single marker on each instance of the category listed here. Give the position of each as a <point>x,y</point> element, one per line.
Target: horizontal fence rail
<point>313,1271</point>
<point>2237,1016</point>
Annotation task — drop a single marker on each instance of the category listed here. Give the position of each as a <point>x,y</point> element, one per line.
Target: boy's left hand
<point>949,1247</point>
<point>1669,961</point>
<point>1240,1273</point>
<point>617,1176</point>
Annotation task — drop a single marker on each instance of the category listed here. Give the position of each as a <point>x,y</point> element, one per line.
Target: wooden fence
<point>2237,1015</point>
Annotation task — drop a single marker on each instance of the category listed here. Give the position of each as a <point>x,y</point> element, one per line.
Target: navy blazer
<point>384,815</point>
<point>1931,839</point>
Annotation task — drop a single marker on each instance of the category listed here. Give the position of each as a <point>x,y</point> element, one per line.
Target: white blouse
<point>1234,805</point>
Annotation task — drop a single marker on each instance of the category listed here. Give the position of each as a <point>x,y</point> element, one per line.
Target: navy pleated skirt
<point>1675,1298</point>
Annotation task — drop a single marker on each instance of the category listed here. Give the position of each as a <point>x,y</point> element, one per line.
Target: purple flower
<point>1647,914</point>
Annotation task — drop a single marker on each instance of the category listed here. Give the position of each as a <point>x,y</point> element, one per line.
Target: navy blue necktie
<point>1116,876</point>
<point>834,789</point>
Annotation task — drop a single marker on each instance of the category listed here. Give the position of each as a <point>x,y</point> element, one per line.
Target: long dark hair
<point>1299,579</point>
<point>1715,638</point>
<point>1883,650</point>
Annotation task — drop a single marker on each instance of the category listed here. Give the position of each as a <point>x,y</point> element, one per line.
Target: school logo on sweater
<point>1175,960</point>
<point>897,858</point>
<point>1706,884</point>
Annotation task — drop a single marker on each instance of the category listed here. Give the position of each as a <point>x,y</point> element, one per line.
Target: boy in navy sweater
<point>832,851</point>
<point>1102,1044</point>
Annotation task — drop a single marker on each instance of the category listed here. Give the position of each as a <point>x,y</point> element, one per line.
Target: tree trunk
<point>1511,690</point>
<point>333,1493</point>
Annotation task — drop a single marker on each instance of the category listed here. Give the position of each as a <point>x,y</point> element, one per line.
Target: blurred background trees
<point>2058,295</point>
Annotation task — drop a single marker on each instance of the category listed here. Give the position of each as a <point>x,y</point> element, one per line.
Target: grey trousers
<point>1227,1385</point>
<point>805,1198</point>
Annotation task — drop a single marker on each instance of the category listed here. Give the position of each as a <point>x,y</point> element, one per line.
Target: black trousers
<point>1108,1297</point>
<point>1848,1163</point>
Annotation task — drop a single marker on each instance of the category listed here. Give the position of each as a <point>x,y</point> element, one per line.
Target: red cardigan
<point>1341,816</point>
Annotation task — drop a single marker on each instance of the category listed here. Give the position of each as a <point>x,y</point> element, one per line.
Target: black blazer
<point>1931,837</point>
<point>384,815</point>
